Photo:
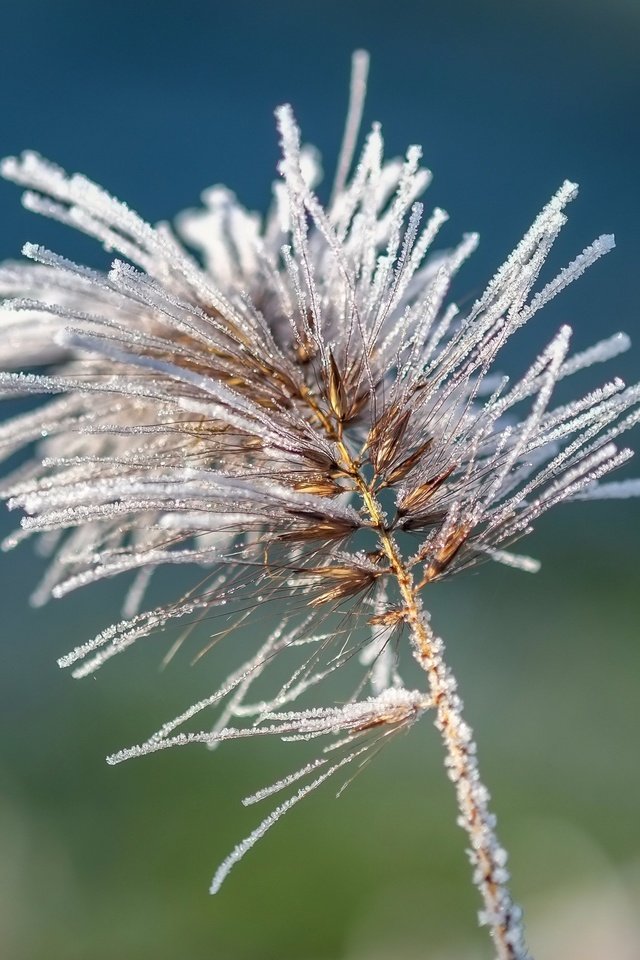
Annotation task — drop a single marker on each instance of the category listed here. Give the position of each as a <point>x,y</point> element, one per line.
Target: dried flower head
<point>306,416</point>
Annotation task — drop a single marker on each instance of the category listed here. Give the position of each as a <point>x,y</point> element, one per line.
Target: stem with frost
<point>488,858</point>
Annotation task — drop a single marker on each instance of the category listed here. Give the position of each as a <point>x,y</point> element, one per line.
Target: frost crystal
<point>306,416</point>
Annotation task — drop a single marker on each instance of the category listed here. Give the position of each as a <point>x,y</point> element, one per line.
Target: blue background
<point>156,101</point>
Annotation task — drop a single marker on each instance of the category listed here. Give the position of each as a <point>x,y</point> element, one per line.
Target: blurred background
<point>157,101</point>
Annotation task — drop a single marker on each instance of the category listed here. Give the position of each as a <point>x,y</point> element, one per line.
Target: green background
<point>157,101</point>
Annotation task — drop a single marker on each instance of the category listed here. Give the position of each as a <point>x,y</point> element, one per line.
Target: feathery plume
<point>306,416</point>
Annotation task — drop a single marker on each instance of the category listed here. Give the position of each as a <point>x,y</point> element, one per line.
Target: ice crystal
<point>306,415</point>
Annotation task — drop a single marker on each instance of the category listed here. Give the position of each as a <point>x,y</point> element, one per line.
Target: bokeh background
<point>157,101</point>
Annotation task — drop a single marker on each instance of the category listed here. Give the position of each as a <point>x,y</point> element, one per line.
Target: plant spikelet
<point>295,406</point>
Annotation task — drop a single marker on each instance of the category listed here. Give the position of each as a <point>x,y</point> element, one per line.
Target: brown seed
<point>319,530</point>
<point>407,465</point>
<point>387,448</point>
<point>336,393</point>
<point>444,557</point>
<point>305,352</point>
<point>417,498</point>
<point>319,486</point>
<point>428,518</point>
<point>341,582</point>
<point>380,426</point>
<point>358,404</point>
<point>390,618</point>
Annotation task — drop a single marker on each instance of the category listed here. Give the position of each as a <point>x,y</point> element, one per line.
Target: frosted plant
<point>306,417</point>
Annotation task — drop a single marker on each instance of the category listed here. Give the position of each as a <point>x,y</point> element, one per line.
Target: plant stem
<point>488,858</point>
